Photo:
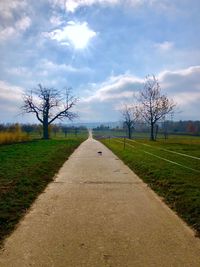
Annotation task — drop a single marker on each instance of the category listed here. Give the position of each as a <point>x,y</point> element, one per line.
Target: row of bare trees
<point>152,106</point>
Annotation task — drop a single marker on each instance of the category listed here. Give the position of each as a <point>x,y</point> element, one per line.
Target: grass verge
<point>25,170</point>
<point>178,186</point>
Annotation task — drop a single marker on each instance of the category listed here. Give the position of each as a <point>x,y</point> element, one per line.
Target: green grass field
<point>170,167</point>
<point>25,170</point>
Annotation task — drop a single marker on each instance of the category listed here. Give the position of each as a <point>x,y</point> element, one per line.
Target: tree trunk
<point>45,130</point>
<point>166,135</point>
<point>156,131</point>
<point>129,132</point>
<point>152,132</point>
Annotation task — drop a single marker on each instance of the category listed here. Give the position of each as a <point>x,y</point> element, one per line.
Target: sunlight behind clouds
<point>76,34</point>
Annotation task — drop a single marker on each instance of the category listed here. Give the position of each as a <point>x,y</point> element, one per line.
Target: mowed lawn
<point>25,170</point>
<point>170,167</point>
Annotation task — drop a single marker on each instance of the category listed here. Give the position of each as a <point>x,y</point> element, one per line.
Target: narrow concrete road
<point>98,213</point>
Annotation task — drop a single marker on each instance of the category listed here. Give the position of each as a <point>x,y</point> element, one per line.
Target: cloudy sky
<point>103,49</point>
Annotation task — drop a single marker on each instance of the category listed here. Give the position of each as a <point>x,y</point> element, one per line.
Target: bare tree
<point>153,105</point>
<point>130,115</point>
<point>48,105</point>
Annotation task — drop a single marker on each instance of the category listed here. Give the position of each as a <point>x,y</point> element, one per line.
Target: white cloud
<point>10,101</point>
<point>7,8</point>
<point>58,3</point>
<point>120,87</point>
<point>183,86</point>
<point>56,20</point>
<point>182,72</point>
<point>46,71</point>
<point>23,24</point>
<point>73,5</point>
<point>183,80</point>
<point>9,92</point>
<point>107,98</point>
<point>164,46</point>
<point>76,33</point>
<point>7,33</point>
<point>49,66</point>
<point>185,98</point>
<point>13,31</point>
<point>19,71</point>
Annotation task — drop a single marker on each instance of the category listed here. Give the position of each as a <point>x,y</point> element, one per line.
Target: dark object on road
<point>100,153</point>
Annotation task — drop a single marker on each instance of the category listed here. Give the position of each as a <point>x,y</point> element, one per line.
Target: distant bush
<point>13,136</point>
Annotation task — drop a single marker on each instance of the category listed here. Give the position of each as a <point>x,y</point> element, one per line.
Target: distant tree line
<point>164,128</point>
<point>37,130</point>
<point>181,127</point>
<point>167,127</point>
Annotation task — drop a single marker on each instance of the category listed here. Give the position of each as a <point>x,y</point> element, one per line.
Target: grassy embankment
<point>175,177</point>
<point>25,170</point>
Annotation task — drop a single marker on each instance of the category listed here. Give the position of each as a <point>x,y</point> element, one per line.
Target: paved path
<point>98,213</point>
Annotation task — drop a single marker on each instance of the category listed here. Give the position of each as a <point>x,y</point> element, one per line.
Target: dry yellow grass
<point>10,137</point>
<point>14,136</point>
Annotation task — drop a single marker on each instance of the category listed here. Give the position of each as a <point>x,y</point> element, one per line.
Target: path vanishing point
<point>98,213</point>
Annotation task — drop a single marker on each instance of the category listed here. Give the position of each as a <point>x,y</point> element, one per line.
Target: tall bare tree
<point>48,105</point>
<point>154,106</point>
<point>130,116</point>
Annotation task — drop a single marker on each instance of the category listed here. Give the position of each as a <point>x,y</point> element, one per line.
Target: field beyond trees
<point>25,170</point>
<point>170,167</point>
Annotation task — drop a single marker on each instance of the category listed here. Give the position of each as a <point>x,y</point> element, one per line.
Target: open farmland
<point>170,167</point>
